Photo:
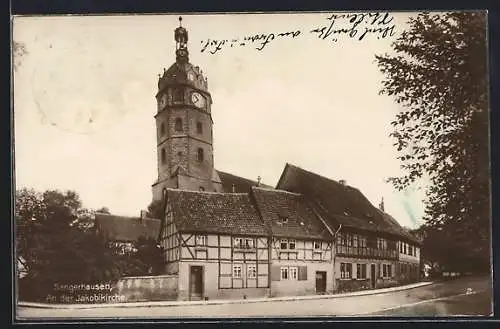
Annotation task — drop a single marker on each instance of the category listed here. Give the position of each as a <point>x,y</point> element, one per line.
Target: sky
<point>84,103</point>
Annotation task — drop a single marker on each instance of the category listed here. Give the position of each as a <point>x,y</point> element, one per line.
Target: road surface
<point>439,299</point>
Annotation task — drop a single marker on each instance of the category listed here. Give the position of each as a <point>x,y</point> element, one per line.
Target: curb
<point>220,302</point>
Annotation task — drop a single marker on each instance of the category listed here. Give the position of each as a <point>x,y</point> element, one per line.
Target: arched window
<point>178,124</point>
<point>199,128</point>
<point>163,156</point>
<point>200,155</point>
<point>177,95</point>
<point>162,129</point>
<point>202,189</point>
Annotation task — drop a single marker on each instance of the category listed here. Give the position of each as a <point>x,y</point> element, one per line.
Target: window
<point>400,247</point>
<point>162,129</point>
<point>249,243</point>
<point>317,245</point>
<point>236,271</point>
<point>361,271</point>
<point>345,270</point>
<point>361,241</point>
<point>283,219</point>
<point>238,242</point>
<point>339,239</point>
<point>201,240</point>
<point>251,271</point>
<point>284,273</point>
<point>404,248</point>
<point>284,244</point>
<point>199,128</point>
<point>202,189</point>
<point>177,95</point>
<point>355,240</point>
<point>386,270</point>
<point>163,156</point>
<point>178,124</point>
<point>291,244</point>
<point>200,155</point>
<point>293,273</point>
<point>348,239</point>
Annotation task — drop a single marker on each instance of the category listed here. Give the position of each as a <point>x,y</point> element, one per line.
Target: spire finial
<point>180,21</point>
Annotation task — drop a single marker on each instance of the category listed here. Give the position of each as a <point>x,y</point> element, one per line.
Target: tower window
<point>162,129</point>
<point>199,128</point>
<point>163,156</point>
<point>202,189</point>
<point>177,95</point>
<point>200,155</point>
<point>178,124</point>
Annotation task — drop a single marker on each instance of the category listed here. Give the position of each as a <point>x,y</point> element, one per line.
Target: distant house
<point>123,231</point>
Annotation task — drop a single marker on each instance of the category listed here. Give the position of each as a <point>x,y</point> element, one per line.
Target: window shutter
<point>302,273</point>
<point>275,273</point>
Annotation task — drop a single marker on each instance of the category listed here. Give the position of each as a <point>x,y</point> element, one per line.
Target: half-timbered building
<point>301,259</point>
<point>216,243</point>
<point>367,241</point>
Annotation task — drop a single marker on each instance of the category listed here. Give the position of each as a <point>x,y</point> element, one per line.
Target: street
<point>439,299</point>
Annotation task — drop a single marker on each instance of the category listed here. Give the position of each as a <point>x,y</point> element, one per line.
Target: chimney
<point>381,205</point>
<point>342,181</point>
<point>234,188</point>
<point>258,180</point>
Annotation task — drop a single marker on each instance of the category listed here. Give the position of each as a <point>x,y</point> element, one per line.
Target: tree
<point>54,243</point>
<point>155,209</point>
<point>439,77</point>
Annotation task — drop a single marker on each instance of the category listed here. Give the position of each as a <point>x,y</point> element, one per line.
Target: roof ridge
<point>321,176</point>
<point>271,189</point>
<point>176,190</point>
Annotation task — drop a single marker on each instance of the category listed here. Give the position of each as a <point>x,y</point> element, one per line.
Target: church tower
<point>184,126</point>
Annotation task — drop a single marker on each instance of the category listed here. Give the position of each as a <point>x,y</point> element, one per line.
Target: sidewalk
<point>218,302</point>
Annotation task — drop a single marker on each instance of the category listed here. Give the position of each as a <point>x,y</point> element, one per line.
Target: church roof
<point>209,212</point>
<point>338,203</point>
<point>123,228</point>
<point>241,185</point>
<point>288,214</point>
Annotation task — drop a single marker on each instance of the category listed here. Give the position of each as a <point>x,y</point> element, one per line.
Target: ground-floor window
<point>345,270</point>
<point>284,273</point>
<point>361,271</point>
<point>386,270</point>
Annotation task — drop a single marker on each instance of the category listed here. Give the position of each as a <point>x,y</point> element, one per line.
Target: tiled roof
<point>241,185</point>
<point>122,228</point>
<point>403,232</point>
<point>229,213</point>
<point>337,203</point>
<point>301,221</point>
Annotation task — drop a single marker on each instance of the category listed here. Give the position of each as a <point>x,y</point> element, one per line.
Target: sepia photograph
<point>251,165</point>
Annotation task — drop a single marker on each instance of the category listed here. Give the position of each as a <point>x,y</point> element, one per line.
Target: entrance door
<point>373,274</point>
<point>196,282</point>
<point>320,282</point>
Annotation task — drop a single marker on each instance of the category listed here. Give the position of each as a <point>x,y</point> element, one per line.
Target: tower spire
<point>181,39</point>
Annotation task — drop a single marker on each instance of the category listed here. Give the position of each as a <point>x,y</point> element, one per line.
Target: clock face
<point>198,99</point>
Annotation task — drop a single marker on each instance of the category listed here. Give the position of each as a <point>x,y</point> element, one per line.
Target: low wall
<point>147,288</point>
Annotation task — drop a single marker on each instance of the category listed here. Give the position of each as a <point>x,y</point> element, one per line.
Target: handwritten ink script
<point>337,26</point>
